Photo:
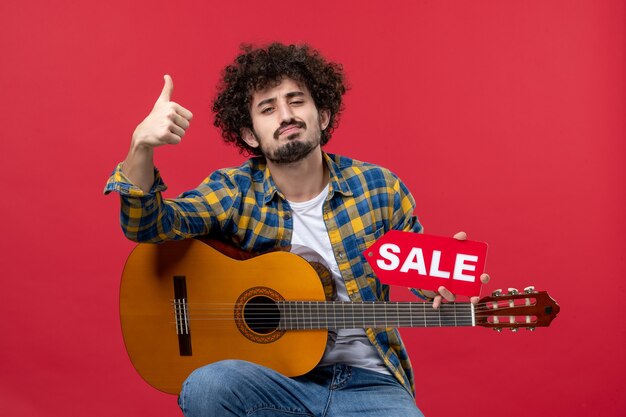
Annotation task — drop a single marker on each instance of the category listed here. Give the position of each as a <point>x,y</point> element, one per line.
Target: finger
<point>474,300</point>
<point>179,120</point>
<point>429,294</point>
<point>437,302</point>
<point>445,293</point>
<point>460,236</point>
<point>484,278</point>
<point>177,130</point>
<point>172,139</point>
<point>183,111</point>
<point>168,88</point>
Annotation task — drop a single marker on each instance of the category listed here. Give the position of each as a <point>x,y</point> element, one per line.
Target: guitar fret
<point>373,314</point>
<point>295,308</point>
<point>326,314</point>
<point>284,316</point>
<point>406,315</point>
<point>385,311</point>
<point>299,317</point>
<point>318,316</point>
<point>303,315</point>
<point>361,316</point>
<point>295,317</point>
<point>353,324</point>
<point>444,315</point>
<point>455,323</point>
<point>410,314</point>
<point>398,314</point>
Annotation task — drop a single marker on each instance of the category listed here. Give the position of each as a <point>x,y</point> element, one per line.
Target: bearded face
<point>287,125</point>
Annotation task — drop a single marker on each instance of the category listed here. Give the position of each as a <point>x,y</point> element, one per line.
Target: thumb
<point>168,87</point>
<point>460,236</point>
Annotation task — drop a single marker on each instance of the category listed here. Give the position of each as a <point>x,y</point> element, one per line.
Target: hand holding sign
<point>443,292</point>
<point>448,266</point>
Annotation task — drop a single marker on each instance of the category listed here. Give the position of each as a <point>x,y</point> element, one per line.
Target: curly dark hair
<point>259,67</point>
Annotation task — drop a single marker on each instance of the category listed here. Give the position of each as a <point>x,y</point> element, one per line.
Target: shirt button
<point>286,216</point>
<point>340,255</point>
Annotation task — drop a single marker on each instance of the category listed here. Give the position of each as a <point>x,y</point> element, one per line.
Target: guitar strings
<point>295,312</point>
<point>299,317</point>
<point>294,315</point>
<point>302,324</point>
<point>368,303</point>
<point>320,305</point>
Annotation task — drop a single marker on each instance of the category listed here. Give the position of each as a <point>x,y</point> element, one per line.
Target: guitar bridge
<point>181,314</point>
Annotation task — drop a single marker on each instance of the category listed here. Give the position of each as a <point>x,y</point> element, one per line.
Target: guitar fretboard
<point>302,315</point>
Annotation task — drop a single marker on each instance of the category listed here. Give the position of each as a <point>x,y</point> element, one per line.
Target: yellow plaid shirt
<point>244,205</point>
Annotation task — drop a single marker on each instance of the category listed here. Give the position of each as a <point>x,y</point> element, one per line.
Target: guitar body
<point>215,287</point>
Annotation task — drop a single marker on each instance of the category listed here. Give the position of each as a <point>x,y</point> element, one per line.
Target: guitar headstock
<point>528,309</point>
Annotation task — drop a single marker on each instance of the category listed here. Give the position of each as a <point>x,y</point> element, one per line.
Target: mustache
<point>288,124</point>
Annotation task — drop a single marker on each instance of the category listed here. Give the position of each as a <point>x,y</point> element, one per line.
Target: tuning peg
<point>514,329</point>
<point>529,290</point>
<point>513,291</point>
<point>530,329</point>
<point>497,293</point>
<point>497,329</point>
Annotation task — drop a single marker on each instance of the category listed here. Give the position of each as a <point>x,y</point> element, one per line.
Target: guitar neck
<point>303,315</point>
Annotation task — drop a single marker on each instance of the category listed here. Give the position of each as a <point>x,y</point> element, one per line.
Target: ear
<point>324,118</point>
<point>248,136</point>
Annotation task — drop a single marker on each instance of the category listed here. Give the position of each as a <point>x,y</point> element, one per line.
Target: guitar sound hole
<point>261,314</point>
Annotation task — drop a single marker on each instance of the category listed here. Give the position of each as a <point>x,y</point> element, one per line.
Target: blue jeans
<point>239,388</point>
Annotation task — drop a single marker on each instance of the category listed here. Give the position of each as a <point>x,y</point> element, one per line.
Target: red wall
<point>505,118</point>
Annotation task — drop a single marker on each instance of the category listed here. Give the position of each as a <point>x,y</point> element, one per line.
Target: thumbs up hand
<point>166,123</point>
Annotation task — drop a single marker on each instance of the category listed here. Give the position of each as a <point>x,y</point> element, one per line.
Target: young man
<point>281,104</point>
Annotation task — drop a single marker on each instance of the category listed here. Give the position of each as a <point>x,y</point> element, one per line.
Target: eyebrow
<point>289,95</point>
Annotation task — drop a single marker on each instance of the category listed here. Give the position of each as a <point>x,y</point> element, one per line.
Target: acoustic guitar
<point>184,304</point>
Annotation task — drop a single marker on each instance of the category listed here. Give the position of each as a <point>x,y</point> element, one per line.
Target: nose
<point>285,112</point>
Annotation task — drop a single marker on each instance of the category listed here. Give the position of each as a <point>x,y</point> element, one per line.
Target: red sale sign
<point>428,262</point>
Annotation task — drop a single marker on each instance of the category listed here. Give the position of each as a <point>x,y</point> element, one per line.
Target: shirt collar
<point>337,181</point>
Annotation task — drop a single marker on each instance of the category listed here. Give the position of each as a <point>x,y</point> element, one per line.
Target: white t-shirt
<point>310,240</point>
